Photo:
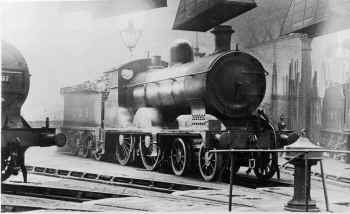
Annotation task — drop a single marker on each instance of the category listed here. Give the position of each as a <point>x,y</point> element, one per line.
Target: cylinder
<point>156,61</point>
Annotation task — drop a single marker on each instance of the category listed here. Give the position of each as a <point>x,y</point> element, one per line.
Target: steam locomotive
<point>157,113</point>
<point>16,133</point>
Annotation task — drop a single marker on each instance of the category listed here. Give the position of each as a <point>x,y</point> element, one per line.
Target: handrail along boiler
<point>180,112</point>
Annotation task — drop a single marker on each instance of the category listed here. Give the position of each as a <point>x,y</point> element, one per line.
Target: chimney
<point>156,61</point>
<point>222,35</point>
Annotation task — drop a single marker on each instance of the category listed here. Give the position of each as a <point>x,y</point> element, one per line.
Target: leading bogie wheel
<point>124,146</point>
<point>266,165</point>
<point>180,157</point>
<point>209,164</point>
<point>150,153</point>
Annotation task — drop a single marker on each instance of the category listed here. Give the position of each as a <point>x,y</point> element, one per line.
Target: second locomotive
<point>149,111</point>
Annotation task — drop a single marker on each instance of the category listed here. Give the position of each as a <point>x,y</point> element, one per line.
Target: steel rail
<point>63,194</point>
<point>136,183</point>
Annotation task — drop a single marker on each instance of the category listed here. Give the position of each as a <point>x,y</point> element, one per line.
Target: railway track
<point>62,194</point>
<point>15,197</point>
<point>40,191</point>
<point>80,196</point>
<point>151,185</point>
<point>144,184</point>
<point>317,175</point>
<point>254,183</point>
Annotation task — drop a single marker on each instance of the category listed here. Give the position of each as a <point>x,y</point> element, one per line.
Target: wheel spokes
<point>179,156</point>
<point>124,149</point>
<point>150,154</point>
<point>208,162</point>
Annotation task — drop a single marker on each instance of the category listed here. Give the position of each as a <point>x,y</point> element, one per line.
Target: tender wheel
<point>150,153</point>
<point>76,144</point>
<point>98,153</point>
<point>123,149</point>
<point>265,166</point>
<point>180,157</point>
<point>98,156</point>
<point>70,143</point>
<point>91,143</point>
<point>209,163</point>
<point>83,149</point>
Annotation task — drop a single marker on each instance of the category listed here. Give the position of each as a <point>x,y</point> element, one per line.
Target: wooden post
<point>348,145</point>
<point>324,187</point>
<point>231,182</point>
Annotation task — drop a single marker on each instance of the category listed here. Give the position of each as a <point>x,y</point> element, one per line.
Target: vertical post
<point>324,187</point>
<point>277,167</point>
<point>348,146</point>
<point>306,73</point>
<point>47,122</point>
<point>278,172</point>
<point>103,101</point>
<point>306,184</point>
<point>231,183</point>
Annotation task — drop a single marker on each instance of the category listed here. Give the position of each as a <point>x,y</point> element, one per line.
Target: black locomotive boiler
<point>177,113</point>
<point>16,133</point>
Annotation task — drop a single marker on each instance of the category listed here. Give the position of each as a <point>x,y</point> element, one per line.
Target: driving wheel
<point>150,153</point>
<point>124,148</point>
<point>209,163</point>
<point>180,156</point>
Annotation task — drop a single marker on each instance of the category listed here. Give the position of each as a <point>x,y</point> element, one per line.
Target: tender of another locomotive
<point>175,114</point>
<point>16,133</point>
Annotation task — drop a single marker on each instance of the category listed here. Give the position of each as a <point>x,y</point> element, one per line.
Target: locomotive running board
<point>150,185</point>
